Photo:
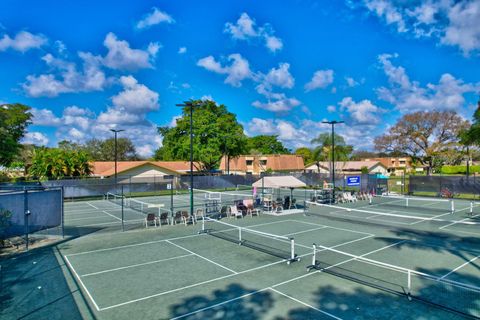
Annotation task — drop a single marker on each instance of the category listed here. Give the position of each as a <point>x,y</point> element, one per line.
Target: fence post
<point>123,221</point>
<point>26,215</point>
<point>63,212</point>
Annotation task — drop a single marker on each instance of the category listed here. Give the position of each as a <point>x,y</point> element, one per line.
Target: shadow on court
<point>33,286</point>
<point>253,306</point>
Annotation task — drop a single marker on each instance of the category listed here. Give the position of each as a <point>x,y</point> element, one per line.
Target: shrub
<point>459,169</point>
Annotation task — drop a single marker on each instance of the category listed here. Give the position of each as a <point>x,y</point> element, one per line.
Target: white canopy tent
<point>279,182</point>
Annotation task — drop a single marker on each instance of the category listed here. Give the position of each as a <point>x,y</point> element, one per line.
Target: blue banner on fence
<point>353,181</point>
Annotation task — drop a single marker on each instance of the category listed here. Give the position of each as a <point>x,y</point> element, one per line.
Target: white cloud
<point>23,41</point>
<point>281,105</point>
<point>120,56</point>
<point>154,18</point>
<point>363,112</point>
<point>321,79</point>
<point>36,138</point>
<point>237,71</point>
<point>410,96</point>
<point>387,10</point>
<point>135,97</point>
<point>450,22</point>
<point>182,50</point>
<point>464,27</point>
<point>44,117</point>
<point>351,82</point>
<point>331,108</point>
<point>67,78</point>
<point>280,77</point>
<point>273,43</point>
<point>245,29</point>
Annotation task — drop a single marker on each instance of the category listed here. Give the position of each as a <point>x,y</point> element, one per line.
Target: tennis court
<point>362,259</point>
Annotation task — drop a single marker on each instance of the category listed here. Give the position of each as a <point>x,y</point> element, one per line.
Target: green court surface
<point>375,263</point>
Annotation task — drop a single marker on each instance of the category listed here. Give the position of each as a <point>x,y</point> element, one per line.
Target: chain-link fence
<point>31,210</point>
<point>445,186</point>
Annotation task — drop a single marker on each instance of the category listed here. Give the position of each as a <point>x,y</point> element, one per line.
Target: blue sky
<point>282,67</point>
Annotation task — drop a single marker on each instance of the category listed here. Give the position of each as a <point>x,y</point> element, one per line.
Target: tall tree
<point>306,154</point>
<point>216,133</point>
<point>471,136</point>
<point>58,163</point>
<point>424,136</point>
<point>323,149</point>
<point>14,120</point>
<point>266,144</point>
<point>104,150</point>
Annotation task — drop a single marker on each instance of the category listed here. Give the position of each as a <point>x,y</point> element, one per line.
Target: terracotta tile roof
<point>348,165</point>
<point>107,168</point>
<point>276,162</point>
<point>387,162</point>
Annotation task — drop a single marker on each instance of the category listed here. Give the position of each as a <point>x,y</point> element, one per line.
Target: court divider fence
<point>31,210</point>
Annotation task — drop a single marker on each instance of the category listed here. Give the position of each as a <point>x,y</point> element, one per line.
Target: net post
<point>292,249</point>
<point>452,206</point>
<point>409,283</point>
<point>406,202</point>
<point>471,207</point>
<point>240,236</point>
<point>370,199</point>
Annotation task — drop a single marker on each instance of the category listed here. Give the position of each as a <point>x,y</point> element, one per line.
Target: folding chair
<point>164,218</point>
<point>151,218</point>
<point>235,212</point>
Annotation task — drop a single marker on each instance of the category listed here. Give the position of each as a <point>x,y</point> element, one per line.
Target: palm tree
<point>323,150</point>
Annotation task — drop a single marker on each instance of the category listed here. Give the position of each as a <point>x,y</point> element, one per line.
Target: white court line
<point>219,304</point>
<point>111,215</point>
<point>277,285</point>
<point>136,265</point>
<point>81,283</point>
<point>305,304</point>
<point>304,231</point>
<point>150,242</point>
<point>459,267</point>
<point>102,224</point>
<point>434,217</point>
<point>207,281</point>
<point>202,257</point>
<point>459,221</point>
<point>87,218</point>
<point>342,229</point>
<point>196,284</point>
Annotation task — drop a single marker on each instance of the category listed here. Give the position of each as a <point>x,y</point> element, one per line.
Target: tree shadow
<point>437,242</point>
<point>33,286</point>
<point>250,307</point>
<point>356,299</point>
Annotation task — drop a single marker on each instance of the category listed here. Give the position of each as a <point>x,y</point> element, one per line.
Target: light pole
<point>333,123</point>
<point>115,131</point>
<point>190,104</point>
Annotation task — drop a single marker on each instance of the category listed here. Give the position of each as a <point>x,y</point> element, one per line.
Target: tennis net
<point>436,290</point>
<point>427,205</point>
<point>372,217</point>
<point>134,204</point>
<point>228,198</point>
<point>115,198</point>
<point>276,245</point>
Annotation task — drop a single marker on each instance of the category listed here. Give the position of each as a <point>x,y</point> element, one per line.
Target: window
<point>402,161</point>
<point>263,162</point>
<point>249,162</point>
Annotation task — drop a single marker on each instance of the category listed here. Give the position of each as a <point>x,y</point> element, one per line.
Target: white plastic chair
<point>235,212</point>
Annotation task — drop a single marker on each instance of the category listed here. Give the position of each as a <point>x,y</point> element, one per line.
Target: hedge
<point>459,169</point>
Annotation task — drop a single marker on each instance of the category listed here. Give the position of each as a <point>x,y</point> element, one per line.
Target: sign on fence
<point>353,181</point>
